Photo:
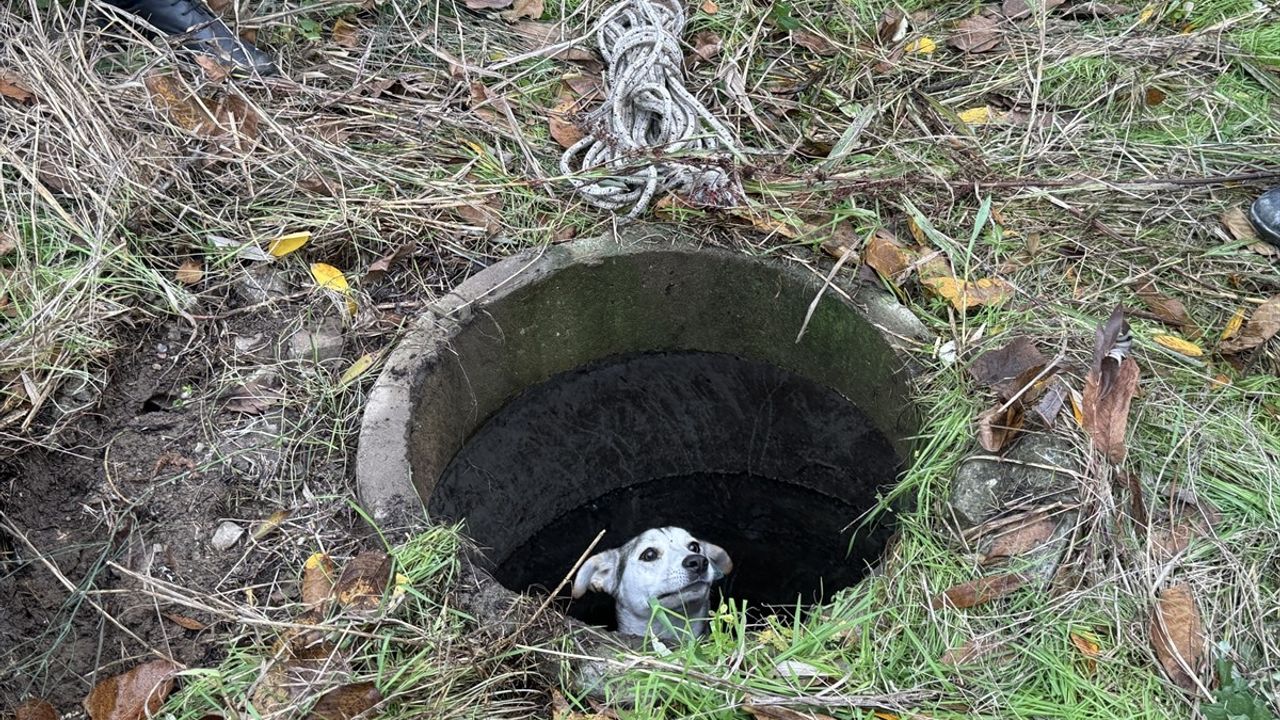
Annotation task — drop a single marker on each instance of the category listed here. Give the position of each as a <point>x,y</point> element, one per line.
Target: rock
<point>226,535</point>
<point>321,343</point>
<point>983,487</point>
<point>260,283</point>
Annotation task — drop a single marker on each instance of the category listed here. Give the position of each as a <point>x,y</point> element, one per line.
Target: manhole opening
<point>774,467</point>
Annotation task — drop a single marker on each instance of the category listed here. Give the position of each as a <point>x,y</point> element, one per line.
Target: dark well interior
<point>775,468</point>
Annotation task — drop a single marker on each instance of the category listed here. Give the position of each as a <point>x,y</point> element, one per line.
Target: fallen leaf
<point>1263,324</point>
<point>271,524</point>
<point>813,42</point>
<point>563,130</point>
<point>253,397</point>
<point>132,695</point>
<point>13,87</point>
<point>886,256</point>
<point>710,7</point>
<point>916,231</point>
<point>176,100</point>
<point>997,428</point>
<point>979,591</point>
<point>189,272</point>
<point>363,581</point>
<point>976,34</point>
<point>1137,500</point>
<point>493,108</point>
<point>487,4</point>
<point>1017,9</point>
<point>483,216</point>
<point>980,116</point>
<point>346,34</point>
<point>288,243</point>
<point>971,652</point>
<point>1088,648</point>
<point>892,27</point>
<point>706,45</point>
<point>379,267</point>
<point>216,71</point>
<point>923,46</point>
<point>522,9</point>
<point>35,709</point>
<point>1178,345</point>
<point>967,294</point>
<point>1238,225</point>
<point>1170,310</point>
<point>1022,538</point>
<point>1008,369</point>
<point>761,709</point>
<point>1110,386</point>
<point>843,241</point>
<point>1154,96</point>
<point>1233,325</point>
<point>1077,406</point>
<point>318,577</point>
<point>1178,636</point>
<point>358,368</point>
<point>185,622</point>
<point>1147,13</point>
<point>540,35</point>
<point>8,245</point>
<point>1051,404</point>
<point>331,278</point>
<point>346,702</point>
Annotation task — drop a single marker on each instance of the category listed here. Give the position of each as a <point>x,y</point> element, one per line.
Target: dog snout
<point>695,563</point>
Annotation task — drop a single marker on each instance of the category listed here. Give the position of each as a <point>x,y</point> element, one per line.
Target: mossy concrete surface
<point>546,311</point>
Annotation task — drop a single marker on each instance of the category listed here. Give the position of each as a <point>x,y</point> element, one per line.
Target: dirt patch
<point>139,490</point>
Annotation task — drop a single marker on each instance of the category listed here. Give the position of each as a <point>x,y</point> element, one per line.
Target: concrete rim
<point>392,423</point>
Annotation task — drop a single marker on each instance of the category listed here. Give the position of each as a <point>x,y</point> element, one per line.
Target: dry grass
<point>1094,187</point>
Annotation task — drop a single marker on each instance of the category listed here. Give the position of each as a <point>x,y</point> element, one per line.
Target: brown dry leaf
<point>1170,311</point>
<point>271,524</point>
<point>976,34</point>
<point>563,130</point>
<point>481,216</point>
<point>706,45</point>
<point>318,576</point>
<point>843,241</point>
<point>892,27</point>
<point>886,256</point>
<point>997,428</point>
<point>493,108</point>
<point>185,622</point>
<point>170,95</point>
<point>379,267</point>
<point>13,87</point>
<point>1050,405</point>
<point>710,7</point>
<point>189,272</point>
<point>1008,369</point>
<point>1109,388</point>
<point>346,34</point>
<point>1261,327</point>
<point>971,652</point>
<point>1154,96</point>
<point>813,42</point>
<point>8,245</point>
<point>346,702</point>
<point>1178,636</point>
<point>531,9</point>
<point>760,709</point>
<point>35,709</point>
<point>487,4</point>
<point>968,294</point>
<point>977,592</point>
<point>233,113</point>
<point>253,397</point>
<point>560,710</point>
<point>363,581</point>
<point>1017,9</point>
<point>1027,536</point>
<point>587,85</point>
<point>214,69</point>
<point>1238,225</point>
<point>132,695</point>
<point>1088,648</point>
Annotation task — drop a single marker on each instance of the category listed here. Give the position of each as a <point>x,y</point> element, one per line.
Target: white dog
<point>662,566</point>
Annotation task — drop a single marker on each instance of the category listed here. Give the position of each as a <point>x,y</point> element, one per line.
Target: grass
<point>379,147</point>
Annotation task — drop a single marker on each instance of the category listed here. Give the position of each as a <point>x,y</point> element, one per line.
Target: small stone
<point>162,348</point>
<point>319,344</point>
<point>259,284</point>
<point>226,535</point>
<point>983,487</point>
<point>245,343</point>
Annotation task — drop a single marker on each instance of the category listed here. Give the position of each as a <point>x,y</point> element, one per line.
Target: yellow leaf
<point>965,294</point>
<point>286,244</point>
<point>916,231</point>
<point>980,116</point>
<point>1234,324</point>
<point>1077,410</point>
<point>710,7</point>
<point>331,278</point>
<point>924,46</point>
<point>189,272</point>
<point>1179,345</point>
<point>358,368</point>
<point>1089,648</point>
<point>1146,13</point>
<point>1219,382</point>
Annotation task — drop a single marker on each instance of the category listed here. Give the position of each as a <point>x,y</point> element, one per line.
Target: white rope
<point>650,135</point>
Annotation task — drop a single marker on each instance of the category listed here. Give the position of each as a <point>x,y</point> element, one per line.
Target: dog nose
<point>695,563</point>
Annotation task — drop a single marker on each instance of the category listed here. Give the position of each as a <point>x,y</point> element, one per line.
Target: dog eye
<point>695,547</point>
<point>649,555</point>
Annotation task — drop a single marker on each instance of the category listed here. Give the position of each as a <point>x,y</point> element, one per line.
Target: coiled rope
<point>650,135</point>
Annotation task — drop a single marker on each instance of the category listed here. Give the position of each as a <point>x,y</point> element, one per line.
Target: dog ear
<point>718,557</point>
<point>597,573</point>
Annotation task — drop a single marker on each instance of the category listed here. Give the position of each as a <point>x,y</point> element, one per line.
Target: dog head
<point>666,566</point>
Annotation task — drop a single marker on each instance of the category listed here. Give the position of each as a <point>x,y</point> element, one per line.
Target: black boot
<point>206,32</point>
<point>1265,216</point>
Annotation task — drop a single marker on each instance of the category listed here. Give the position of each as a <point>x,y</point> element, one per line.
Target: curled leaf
<point>997,428</point>
<point>1261,327</point>
<point>1008,369</point>
<point>969,294</point>
<point>287,243</point>
<point>358,368</point>
<point>132,695</point>
<point>1178,345</point>
<point>979,591</point>
<point>1178,636</point>
<point>318,578</point>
